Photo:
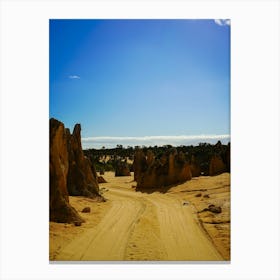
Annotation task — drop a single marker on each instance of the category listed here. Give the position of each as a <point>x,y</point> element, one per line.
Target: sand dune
<point>140,226</point>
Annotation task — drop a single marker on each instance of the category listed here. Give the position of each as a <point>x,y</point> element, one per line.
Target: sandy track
<point>141,226</point>
<point>181,234</point>
<point>109,239</point>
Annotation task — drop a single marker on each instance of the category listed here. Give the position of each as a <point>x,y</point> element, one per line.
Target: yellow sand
<point>134,225</point>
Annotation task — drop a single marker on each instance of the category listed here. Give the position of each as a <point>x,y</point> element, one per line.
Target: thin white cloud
<point>74,77</point>
<point>111,142</point>
<point>227,21</point>
<point>222,22</point>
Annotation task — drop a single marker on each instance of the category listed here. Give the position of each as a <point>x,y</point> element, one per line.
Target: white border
<point>254,136</point>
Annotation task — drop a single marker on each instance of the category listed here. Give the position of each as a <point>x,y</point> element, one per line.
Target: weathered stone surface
<point>200,158</point>
<point>86,210</point>
<point>150,158</point>
<point>217,166</point>
<point>212,208</point>
<point>71,173</point>
<point>60,209</point>
<point>82,177</point>
<point>139,164</point>
<point>122,169</point>
<point>170,168</point>
<point>101,180</point>
<point>195,168</point>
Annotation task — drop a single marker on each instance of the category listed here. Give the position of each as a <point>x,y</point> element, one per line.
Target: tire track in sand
<point>108,240</point>
<point>180,236</point>
<point>183,238</point>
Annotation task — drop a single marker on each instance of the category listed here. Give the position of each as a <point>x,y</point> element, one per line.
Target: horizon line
<point>111,141</point>
<point>156,137</point>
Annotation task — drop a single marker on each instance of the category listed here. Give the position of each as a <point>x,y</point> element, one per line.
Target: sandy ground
<point>151,226</point>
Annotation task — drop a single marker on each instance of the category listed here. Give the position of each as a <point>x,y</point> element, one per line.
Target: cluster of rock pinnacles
<point>173,168</point>
<point>71,173</point>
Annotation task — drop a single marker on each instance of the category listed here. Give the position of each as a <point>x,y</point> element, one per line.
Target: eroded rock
<point>122,169</point>
<point>60,209</point>
<point>101,180</point>
<point>195,168</point>
<point>86,210</point>
<point>217,166</point>
<point>212,208</point>
<point>215,209</point>
<point>71,173</point>
<point>168,169</point>
<point>82,177</point>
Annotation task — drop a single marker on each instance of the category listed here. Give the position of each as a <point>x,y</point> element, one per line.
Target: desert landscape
<point>163,211</point>
<point>139,147</point>
<point>139,226</point>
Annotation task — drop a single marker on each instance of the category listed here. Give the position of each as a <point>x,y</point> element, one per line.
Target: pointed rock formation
<point>71,173</point>
<point>195,168</point>
<point>122,169</point>
<point>101,180</point>
<point>60,209</point>
<point>151,172</point>
<point>82,177</point>
<point>220,162</point>
<point>217,166</point>
<point>139,163</point>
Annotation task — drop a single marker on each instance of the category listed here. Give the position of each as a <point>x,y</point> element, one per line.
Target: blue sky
<point>124,80</point>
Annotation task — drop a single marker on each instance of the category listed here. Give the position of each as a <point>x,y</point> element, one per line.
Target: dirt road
<point>141,226</point>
